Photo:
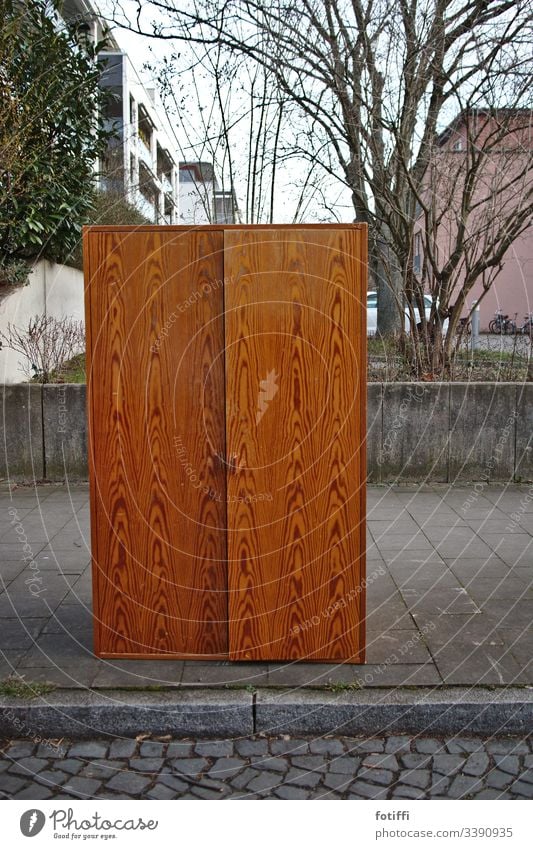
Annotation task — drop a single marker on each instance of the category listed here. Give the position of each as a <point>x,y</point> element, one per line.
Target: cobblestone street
<point>393,767</point>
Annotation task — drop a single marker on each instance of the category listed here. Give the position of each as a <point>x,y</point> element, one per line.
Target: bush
<point>108,208</point>
<point>47,345</point>
<point>14,272</point>
<point>51,132</point>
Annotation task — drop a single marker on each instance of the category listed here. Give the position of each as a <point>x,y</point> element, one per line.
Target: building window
<point>224,207</point>
<point>417,257</point>
<point>145,127</point>
<point>164,168</point>
<point>457,145</point>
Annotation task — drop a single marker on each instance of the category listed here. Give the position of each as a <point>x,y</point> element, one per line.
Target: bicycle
<point>502,323</point>
<point>527,327</point>
<point>464,328</point>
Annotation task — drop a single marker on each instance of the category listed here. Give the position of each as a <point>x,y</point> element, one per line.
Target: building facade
<point>201,200</point>
<point>483,159</point>
<point>142,161</point>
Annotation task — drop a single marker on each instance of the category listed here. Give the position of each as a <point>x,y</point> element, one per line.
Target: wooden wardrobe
<point>226,371</point>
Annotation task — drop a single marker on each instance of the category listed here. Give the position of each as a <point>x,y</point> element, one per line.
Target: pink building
<point>502,144</point>
<point>512,290</point>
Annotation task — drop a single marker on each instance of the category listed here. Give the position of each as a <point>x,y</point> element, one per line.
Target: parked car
<point>372,314</point>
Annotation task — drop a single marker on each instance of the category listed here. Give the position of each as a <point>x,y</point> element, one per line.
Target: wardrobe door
<point>295,304</point>
<point>154,303</point>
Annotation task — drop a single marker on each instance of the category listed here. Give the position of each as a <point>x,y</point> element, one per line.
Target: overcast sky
<point>142,50</point>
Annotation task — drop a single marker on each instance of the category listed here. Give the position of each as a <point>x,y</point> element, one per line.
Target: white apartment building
<point>201,201</point>
<point>142,161</point>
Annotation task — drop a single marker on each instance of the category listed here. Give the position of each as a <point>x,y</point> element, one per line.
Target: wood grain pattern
<point>295,422</point>
<point>218,228</point>
<point>295,418</point>
<point>154,303</point>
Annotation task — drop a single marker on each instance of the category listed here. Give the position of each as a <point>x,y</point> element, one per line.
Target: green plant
<point>21,689</point>
<point>51,131</point>
<point>72,371</point>
<point>387,361</point>
<point>108,208</point>
<point>13,272</point>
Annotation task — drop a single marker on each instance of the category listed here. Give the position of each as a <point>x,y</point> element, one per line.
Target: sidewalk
<point>450,602</point>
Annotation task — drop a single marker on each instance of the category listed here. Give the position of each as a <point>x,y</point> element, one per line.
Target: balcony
<point>166,183</point>
<point>144,153</point>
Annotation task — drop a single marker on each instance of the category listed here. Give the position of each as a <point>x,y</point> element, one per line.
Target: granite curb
<point>218,713</point>
<point>84,715</point>
<point>440,711</point>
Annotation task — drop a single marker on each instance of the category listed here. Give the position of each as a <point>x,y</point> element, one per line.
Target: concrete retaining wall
<point>418,432</point>
<point>54,290</point>
<point>447,432</point>
<point>43,432</point>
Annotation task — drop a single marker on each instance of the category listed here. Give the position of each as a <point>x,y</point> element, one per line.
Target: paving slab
<point>448,576</point>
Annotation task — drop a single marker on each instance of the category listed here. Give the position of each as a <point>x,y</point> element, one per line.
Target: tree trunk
<point>388,280</point>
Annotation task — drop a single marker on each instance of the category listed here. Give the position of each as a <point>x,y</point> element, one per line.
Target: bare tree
<point>231,113</point>
<point>376,81</point>
<point>474,203</point>
<point>46,345</point>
